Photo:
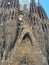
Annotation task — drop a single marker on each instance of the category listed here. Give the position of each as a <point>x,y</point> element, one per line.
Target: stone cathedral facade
<point>24,37</point>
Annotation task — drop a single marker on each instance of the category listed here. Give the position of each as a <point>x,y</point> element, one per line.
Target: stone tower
<point>8,14</point>
<point>24,38</point>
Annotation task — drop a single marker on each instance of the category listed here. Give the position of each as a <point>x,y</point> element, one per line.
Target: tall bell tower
<point>8,19</point>
<point>33,12</point>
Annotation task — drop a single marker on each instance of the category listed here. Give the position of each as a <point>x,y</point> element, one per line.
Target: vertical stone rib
<point>33,8</point>
<point>41,12</point>
<point>4,3</point>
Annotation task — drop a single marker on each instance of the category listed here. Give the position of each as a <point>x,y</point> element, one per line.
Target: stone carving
<point>23,41</point>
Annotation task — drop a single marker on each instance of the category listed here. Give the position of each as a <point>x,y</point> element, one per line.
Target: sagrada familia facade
<point>24,36</point>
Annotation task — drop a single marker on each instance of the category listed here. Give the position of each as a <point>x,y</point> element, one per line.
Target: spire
<point>17,2</point>
<point>38,2</point>
<point>41,11</point>
<point>32,7</point>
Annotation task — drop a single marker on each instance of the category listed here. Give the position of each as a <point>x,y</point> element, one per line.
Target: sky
<point>25,1</point>
<point>44,3</point>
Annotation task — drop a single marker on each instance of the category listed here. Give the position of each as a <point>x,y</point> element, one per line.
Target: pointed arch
<point>26,33</point>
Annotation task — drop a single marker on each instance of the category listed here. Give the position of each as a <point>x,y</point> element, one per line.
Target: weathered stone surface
<point>23,41</point>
